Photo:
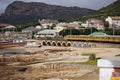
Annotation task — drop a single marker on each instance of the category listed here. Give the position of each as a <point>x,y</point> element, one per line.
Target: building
<point>32,43</point>
<point>18,40</point>
<point>46,33</point>
<point>98,24</point>
<point>59,28</point>
<point>38,27</point>
<point>74,25</point>
<point>113,21</point>
<point>109,68</point>
<point>45,23</point>
<point>5,24</point>
<point>29,30</point>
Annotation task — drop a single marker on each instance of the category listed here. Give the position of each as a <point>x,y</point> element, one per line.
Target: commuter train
<point>112,39</point>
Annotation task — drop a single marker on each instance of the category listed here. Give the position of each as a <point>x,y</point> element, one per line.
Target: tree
<point>69,32</point>
<point>88,31</point>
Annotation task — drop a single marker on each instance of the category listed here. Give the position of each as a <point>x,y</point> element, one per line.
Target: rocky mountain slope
<point>24,12</point>
<point>110,10</point>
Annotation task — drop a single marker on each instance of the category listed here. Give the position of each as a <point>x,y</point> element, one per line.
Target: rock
<point>22,12</point>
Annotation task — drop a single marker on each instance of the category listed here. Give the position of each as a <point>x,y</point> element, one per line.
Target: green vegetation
<point>85,31</point>
<point>109,31</point>
<point>92,59</point>
<point>86,54</point>
<point>89,62</point>
<point>92,56</point>
<point>111,10</point>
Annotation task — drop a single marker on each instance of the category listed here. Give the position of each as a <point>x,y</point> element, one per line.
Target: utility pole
<point>70,31</point>
<point>91,30</point>
<point>113,31</point>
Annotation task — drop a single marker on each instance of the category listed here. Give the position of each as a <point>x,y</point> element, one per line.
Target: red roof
<point>115,18</point>
<point>4,24</point>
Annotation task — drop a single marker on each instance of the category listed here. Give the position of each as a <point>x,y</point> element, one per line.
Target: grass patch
<point>92,59</point>
<point>89,62</point>
<point>86,54</point>
<point>92,56</point>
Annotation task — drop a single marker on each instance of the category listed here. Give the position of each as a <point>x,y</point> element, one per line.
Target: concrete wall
<point>107,68</point>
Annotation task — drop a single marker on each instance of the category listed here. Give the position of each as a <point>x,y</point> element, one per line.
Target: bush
<point>92,57</point>
<point>118,55</point>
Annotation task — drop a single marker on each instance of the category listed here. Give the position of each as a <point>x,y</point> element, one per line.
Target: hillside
<point>23,12</point>
<point>110,10</point>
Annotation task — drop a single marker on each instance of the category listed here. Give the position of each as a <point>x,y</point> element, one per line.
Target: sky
<point>91,4</point>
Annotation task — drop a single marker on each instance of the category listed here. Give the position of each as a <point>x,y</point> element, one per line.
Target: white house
<point>98,24</point>
<point>60,26</point>
<point>38,27</point>
<point>113,21</point>
<point>47,22</point>
<point>74,25</point>
<point>29,30</point>
<point>46,33</point>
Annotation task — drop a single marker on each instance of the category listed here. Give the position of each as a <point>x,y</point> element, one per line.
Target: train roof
<point>96,35</point>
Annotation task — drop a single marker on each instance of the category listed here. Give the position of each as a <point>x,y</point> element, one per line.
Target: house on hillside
<point>60,26</point>
<point>29,30</point>
<point>48,22</point>
<point>38,27</point>
<point>96,23</point>
<point>74,25</point>
<point>113,21</point>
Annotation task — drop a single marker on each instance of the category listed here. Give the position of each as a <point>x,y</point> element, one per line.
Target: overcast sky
<point>91,4</point>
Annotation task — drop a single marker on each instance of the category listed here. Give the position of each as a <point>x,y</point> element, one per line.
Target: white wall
<point>106,73</point>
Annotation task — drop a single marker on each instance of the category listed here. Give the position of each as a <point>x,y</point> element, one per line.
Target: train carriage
<point>113,39</point>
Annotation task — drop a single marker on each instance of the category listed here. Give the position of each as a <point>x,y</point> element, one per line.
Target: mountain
<point>23,12</point>
<point>110,10</point>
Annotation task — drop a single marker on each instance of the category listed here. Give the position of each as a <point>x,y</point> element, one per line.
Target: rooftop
<point>30,28</point>
<point>98,34</point>
<point>47,31</point>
